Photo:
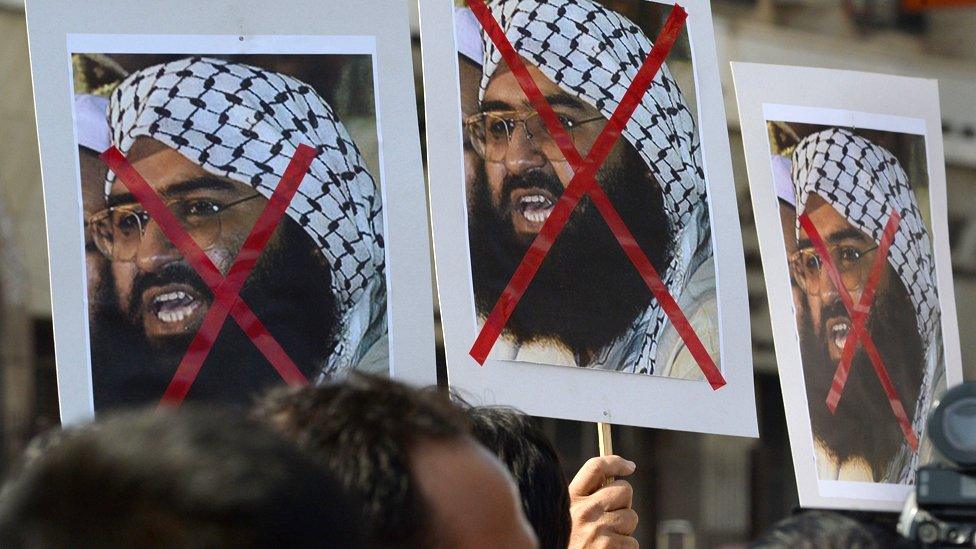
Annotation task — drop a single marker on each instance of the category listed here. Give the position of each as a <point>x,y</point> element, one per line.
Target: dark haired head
<point>826,529</point>
<point>363,429</point>
<point>196,477</point>
<point>532,460</point>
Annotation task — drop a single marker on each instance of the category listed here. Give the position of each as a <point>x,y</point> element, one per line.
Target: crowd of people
<point>362,462</point>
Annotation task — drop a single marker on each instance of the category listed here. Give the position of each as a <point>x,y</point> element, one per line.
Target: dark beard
<point>863,424</point>
<point>587,292</point>
<point>290,293</point>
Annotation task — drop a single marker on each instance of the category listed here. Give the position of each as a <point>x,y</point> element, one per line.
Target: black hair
<point>197,477</point>
<point>530,457</point>
<point>363,430</point>
<point>825,529</point>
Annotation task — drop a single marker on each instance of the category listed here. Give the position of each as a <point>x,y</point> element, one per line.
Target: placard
<point>847,176</point>
<point>579,154</point>
<point>226,207</point>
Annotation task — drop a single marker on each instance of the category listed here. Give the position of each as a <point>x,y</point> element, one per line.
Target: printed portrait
<point>587,305</point>
<point>856,221</point>
<point>212,136</point>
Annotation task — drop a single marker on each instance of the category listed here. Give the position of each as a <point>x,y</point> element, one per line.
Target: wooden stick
<point>606,440</point>
<point>606,443</point>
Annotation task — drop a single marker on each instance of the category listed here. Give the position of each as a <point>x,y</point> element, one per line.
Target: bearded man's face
<point>160,300</point>
<point>587,292</point>
<point>863,424</point>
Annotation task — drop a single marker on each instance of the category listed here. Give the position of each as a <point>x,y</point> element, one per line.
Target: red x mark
<point>226,290</point>
<point>859,316</point>
<point>584,183</point>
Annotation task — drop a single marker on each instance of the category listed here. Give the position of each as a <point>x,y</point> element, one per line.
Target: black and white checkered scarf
<point>594,53</point>
<point>865,184</point>
<point>245,123</point>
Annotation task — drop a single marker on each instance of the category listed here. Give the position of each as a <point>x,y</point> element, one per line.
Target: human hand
<point>602,515</point>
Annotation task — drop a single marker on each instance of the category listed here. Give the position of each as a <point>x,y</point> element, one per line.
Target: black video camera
<point>942,510</point>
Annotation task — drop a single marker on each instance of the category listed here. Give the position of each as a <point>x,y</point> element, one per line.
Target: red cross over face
<point>154,283</point>
<point>518,145</point>
<point>853,253</point>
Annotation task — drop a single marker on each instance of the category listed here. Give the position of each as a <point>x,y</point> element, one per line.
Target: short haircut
<point>816,529</point>
<point>363,430</point>
<point>524,449</point>
<point>193,477</point>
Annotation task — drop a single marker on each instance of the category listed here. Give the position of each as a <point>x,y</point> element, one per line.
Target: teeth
<point>534,199</point>
<point>538,216</point>
<point>839,333</point>
<point>170,296</point>
<point>176,315</point>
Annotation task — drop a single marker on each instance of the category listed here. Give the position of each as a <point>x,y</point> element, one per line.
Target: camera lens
<point>928,532</point>
<point>952,426</point>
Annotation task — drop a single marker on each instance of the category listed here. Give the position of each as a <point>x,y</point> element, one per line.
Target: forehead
<point>163,167</point>
<point>825,217</point>
<point>462,482</point>
<point>503,86</point>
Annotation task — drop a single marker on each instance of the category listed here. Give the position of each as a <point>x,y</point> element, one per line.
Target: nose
<point>155,250</point>
<point>523,153</point>
<point>828,290</point>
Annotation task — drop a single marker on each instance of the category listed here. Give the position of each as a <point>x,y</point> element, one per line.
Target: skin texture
<point>862,434</point>
<point>602,515</point>
<point>473,499</point>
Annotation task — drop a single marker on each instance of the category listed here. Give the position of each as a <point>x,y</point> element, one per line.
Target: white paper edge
<point>289,26</point>
<point>872,101</point>
<point>572,393</point>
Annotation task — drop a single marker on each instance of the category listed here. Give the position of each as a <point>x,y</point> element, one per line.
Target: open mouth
<point>172,309</point>
<point>837,331</point>
<point>531,208</point>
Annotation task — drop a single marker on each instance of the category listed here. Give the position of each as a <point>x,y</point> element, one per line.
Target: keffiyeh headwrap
<point>593,54</point>
<point>865,184</point>
<point>245,123</point>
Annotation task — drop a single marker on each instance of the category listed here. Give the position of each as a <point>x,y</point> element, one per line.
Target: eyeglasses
<point>118,231</point>
<point>851,261</point>
<point>491,132</point>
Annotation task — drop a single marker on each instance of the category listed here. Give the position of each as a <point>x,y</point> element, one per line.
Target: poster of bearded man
<point>848,186</point>
<point>244,215</point>
<point>630,305</point>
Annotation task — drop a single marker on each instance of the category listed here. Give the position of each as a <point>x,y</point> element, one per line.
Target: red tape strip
<point>226,290</point>
<point>859,316</point>
<point>584,182</point>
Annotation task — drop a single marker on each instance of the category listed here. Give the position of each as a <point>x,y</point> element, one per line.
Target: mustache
<point>172,273</point>
<point>831,310</point>
<point>533,179</point>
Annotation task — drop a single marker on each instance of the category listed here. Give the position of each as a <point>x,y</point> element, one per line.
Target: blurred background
<point>723,490</point>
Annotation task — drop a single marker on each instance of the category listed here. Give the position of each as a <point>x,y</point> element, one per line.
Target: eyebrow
<point>555,100</point>
<point>847,234</point>
<point>206,182</point>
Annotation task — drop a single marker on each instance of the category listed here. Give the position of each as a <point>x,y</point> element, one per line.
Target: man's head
<point>532,460</point>
<point>652,176</point>
<point>408,456</point>
<point>213,139</point>
<point>848,188</point>
<point>828,529</point>
<point>197,477</point>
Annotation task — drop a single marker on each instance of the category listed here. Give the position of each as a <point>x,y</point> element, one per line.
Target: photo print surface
<point>857,225</point>
<point>213,135</point>
<point>587,306</point>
